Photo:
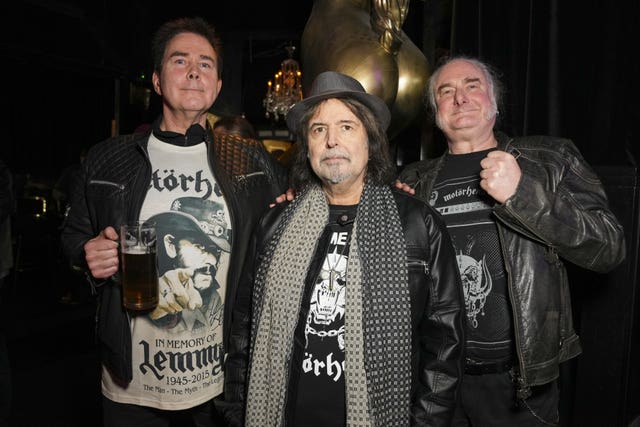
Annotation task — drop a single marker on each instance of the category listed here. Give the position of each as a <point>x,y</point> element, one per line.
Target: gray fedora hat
<point>331,84</point>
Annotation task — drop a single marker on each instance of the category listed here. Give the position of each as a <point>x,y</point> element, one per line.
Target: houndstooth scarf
<point>377,314</point>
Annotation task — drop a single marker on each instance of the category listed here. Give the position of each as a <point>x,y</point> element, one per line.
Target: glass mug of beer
<point>138,263</point>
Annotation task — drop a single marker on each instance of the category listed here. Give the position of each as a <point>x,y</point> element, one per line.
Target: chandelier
<point>285,89</point>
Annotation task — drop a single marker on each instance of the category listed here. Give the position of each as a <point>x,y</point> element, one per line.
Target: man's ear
<point>155,79</point>
<point>170,246</point>
<point>219,87</point>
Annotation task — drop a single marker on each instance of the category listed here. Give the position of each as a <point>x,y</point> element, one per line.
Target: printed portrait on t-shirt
<point>192,239</point>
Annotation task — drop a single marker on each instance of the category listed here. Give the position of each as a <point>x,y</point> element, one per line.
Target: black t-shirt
<point>466,210</point>
<point>320,393</point>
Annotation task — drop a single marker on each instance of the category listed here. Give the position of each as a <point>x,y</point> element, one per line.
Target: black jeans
<point>126,415</point>
<point>489,400</point>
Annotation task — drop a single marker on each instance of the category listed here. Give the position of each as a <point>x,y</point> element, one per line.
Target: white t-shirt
<point>177,358</point>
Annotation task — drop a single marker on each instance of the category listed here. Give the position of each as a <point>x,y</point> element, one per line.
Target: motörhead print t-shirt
<point>177,351</point>
<point>320,391</point>
<point>466,210</point>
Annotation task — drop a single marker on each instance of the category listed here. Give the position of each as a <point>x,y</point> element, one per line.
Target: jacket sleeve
<point>232,406</point>
<point>560,201</point>
<point>77,228</point>
<point>441,334</point>
<point>94,203</point>
<point>236,376</point>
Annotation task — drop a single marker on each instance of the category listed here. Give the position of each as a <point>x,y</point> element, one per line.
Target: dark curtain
<point>569,68</point>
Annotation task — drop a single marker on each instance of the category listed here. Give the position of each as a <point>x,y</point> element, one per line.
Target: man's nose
<point>460,97</point>
<point>332,140</point>
<point>193,74</point>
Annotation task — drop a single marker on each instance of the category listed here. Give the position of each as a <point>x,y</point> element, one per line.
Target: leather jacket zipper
<point>102,182</point>
<point>414,262</point>
<point>522,391</point>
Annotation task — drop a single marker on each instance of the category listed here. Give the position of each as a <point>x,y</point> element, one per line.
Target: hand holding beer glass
<point>138,260</point>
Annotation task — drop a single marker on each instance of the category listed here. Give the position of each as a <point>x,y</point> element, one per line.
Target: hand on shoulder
<point>288,196</point>
<point>405,187</point>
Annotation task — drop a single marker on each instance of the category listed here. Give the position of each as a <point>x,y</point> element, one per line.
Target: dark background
<point>72,67</point>
<point>76,72</point>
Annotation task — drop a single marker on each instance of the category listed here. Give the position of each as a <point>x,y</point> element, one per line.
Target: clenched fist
<point>500,175</point>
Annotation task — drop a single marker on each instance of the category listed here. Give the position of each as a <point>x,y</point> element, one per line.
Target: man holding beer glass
<point>204,194</point>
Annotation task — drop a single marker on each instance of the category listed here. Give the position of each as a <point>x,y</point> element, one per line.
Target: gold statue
<point>364,39</point>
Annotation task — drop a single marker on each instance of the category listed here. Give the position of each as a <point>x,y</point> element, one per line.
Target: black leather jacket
<point>436,316</point>
<point>111,189</point>
<point>559,211</point>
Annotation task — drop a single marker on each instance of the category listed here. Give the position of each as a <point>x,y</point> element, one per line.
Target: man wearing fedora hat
<point>350,299</point>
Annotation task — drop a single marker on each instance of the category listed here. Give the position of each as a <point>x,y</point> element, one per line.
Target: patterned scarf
<point>377,313</point>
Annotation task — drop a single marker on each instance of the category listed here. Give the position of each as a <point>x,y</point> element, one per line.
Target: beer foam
<point>137,250</point>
